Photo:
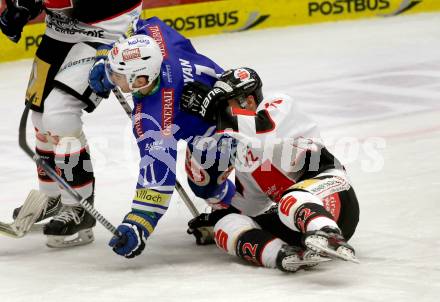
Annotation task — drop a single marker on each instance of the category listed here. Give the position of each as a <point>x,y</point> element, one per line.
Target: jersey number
<point>58,4</point>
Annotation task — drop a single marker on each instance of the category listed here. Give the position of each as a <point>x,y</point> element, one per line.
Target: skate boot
<point>293,258</point>
<point>71,227</point>
<point>330,242</point>
<point>52,208</point>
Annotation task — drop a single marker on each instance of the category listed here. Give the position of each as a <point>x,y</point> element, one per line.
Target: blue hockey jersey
<point>158,124</point>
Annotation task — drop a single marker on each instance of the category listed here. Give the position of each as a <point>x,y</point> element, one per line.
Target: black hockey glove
<point>202,100</point>
<point>202,226</point>
<point>16,15</point>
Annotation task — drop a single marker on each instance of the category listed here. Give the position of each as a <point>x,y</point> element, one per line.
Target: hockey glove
<point>16,15</point>
<point>32,7</point>
<point>131,243</point>
<point>202,226</point>
<point>201,100</point>
<point>98,79</point>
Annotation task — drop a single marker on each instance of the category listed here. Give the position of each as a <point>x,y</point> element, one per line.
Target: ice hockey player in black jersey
<point>294,206</point>
<point>59,92</point>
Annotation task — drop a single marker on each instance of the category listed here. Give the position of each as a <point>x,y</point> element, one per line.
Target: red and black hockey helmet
<point>241,82</point>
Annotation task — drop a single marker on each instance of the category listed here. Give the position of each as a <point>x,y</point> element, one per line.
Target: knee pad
<point>228,230</point>
<point>62,115</point>
<point>297,209</point>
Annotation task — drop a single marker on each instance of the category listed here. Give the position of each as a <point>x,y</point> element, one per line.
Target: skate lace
<point>68,214</point>
<point>52,202</point>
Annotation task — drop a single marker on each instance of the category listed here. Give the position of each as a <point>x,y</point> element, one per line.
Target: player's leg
<point>49,57</point>
<point>241,236</point>
<point>63,124</point>
<point>313,207</point>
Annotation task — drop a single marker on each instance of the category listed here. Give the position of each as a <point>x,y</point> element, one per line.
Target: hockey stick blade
<point>9,229</point>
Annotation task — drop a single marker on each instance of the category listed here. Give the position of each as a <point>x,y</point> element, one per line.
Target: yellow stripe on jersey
<point>102,52</point>
<point>140,220</point>
<point>152,197</point>
<point>303,185</point>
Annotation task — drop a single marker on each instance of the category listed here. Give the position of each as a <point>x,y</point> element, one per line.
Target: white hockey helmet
<point>139,55</point>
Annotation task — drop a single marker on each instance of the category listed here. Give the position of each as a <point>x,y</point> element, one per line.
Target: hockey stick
<point>27,216</point>
<point>53,175</point>
<point>183,195</point>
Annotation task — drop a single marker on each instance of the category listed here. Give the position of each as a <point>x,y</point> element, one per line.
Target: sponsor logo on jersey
<point>332,204</point>
<point>131,54</point>
<point>328,186</point>
<point>271,181</point>
<point>138,120</point>
<point>167,111</point>
<point>167,73</point>
<point>77,62</point>
<point>152,197</point>
<point>67,26</point>
<point>337,7</point>
<point>157,35</point>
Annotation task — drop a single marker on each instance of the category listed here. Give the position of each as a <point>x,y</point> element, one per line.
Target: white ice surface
<point>374,87</point>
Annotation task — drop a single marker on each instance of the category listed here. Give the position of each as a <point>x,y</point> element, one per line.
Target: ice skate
<point>329,241</point>
<point>71,227</point>
<point>52,208</point>
<point>292,259</point>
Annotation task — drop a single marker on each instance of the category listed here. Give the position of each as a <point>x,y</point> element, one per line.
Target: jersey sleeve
<point>248,125</point>
<point>157,175</point>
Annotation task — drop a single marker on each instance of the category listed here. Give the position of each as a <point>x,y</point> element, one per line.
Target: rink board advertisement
<point>201,17</point>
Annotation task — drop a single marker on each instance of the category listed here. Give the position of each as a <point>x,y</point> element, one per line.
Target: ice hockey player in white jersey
<point>279,159</point>
<point>59,93</point>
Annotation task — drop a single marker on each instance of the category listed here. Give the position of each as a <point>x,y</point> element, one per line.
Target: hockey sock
<point>72,159</point>
<point>259,247</point>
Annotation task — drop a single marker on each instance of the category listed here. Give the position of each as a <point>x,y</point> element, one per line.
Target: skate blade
<point>293,264</point>
<point>81,238</point>
<point>320,245</point>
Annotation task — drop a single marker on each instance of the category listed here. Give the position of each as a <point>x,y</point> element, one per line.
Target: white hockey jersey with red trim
<point>271,150</point>
<point>102,21</point>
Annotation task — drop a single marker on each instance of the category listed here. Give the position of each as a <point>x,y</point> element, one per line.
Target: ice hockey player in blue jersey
<point>154,63</point>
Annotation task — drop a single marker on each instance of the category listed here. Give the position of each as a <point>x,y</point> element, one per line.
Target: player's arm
<point>154,188</point>
<point>16,15</point>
